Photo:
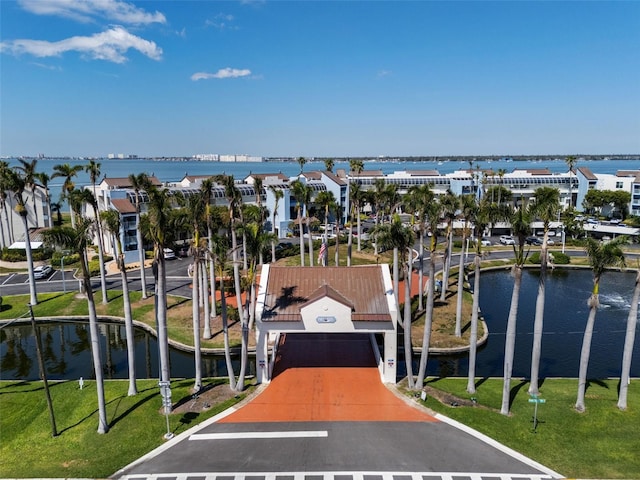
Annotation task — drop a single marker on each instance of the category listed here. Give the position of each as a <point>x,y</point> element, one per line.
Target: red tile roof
<point>123,205</point>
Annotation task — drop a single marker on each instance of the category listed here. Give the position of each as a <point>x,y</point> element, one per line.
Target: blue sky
<point>331,78</point>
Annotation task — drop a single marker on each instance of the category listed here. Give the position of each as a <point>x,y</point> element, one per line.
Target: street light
<point>64,284</point>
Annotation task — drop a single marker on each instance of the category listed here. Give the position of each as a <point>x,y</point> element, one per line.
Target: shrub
<point>559,258</point>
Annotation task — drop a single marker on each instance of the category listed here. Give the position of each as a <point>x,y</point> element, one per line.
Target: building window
<point>618,184</point>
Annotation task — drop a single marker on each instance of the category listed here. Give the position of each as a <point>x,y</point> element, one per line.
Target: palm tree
<point>419,196</point>
<point>432,213</point>
<point>112,223</point>
<point>601,256</point>
<point>546,206</point>
<point>467,208</point>
<point>395,235</point>
<point>57,208</point>
<point>301,161</point>
<point>327,201</point>
<point>356,166</point>
<point>234,200</point>
<point>30,176</point>
<point>159,230</point>
<point>520,225</point>
<point>77,239</point>
<point>220,253</point>
<point>571,162</point>
<point>93,169</point>
<point>450,204</point>
<point>484,214</point>
<point>17,185</point>
<point>356,196</point>
<point>207,189</point>
<point>629,340</point>
<point>277,195</point>
<point>328,164</point>
<point>138,183</point>
<point>67,172</point>
<point>194,206</point>
<point>302,195</point>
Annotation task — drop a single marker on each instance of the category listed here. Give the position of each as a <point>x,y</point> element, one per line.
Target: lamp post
<point>64,283</point>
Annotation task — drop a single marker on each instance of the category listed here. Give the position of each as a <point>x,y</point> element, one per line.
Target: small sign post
<point>536,400</point>
<point>165,391</point>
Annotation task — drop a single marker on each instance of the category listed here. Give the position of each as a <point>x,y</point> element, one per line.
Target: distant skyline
<point>319,79</point>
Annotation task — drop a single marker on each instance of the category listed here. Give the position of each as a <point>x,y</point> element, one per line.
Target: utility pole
<point>43,373</point>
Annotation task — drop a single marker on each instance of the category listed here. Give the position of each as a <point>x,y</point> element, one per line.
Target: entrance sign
<point>326,319</point>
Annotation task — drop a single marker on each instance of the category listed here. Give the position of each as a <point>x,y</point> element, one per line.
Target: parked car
<point>168,254</point>
<point>43,271</point>
<point>615,221</point>
<point>592,221</point>
<point>507,240</point>
<point>533,241</point>
<point>485,242</point>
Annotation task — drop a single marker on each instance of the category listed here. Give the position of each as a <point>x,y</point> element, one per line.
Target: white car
<point>507,240</point>
<point>168,254</point>
<point>43,271</point>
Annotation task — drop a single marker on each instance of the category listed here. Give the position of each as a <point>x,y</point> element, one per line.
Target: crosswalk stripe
<point>236,435</point>
<point>332,475</point>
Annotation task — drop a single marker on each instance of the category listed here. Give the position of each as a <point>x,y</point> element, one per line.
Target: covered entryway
<point>327,300</point>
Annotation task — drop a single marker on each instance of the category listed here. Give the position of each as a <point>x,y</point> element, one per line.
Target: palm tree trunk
<point>447,266</point>
<point>460,293</point>
<point>349,245</point>
<point>586,350</point>
<point>629,340</point>
<point>301,239</point>
<point>141,257</point>
<point>510,340</point>
<point>396,274</point>
<point>195,308</point>
<point>128,325</point>
<point>103,427</point>
<point>408,347</point>
<point>27,246</point>
<point>161,312</point>
<point>225,334</point>
<point>473,337</point>
<point>428,321</point>
<point>310,241</point>
<point>359,229</point>
<point>421,273</point>
<point>538,325</point>
<point>204,282</point>
<point>103,280</point>
<point>241,314</point>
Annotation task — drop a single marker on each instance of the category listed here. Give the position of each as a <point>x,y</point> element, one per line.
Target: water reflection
<point>67,354</point>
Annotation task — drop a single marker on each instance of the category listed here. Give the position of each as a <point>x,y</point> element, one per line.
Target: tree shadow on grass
<point>513,393</point>
<point>150,392</point>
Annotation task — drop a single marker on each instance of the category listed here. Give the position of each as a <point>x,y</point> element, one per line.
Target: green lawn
<point>603,442</point>
<point>136,424</point>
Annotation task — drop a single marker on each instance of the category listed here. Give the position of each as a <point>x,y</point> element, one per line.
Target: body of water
<point>174,170</point>
<point>67,355</point>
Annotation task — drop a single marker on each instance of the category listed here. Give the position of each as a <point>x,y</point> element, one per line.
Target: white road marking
<point>235,435</point>
<point>332,475</point>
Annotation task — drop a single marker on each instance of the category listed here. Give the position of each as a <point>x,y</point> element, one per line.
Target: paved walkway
<point>326,377</point>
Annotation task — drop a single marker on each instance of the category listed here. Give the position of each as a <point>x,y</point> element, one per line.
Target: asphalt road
<point>263,439</point>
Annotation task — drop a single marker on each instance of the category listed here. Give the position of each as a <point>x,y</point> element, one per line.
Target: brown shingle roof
<point>123,205</point>
<point>586,172</point>
<point>360,287</point>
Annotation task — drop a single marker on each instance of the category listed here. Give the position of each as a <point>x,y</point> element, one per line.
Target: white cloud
<point>384,73</point>
<point>222,73</point>
<point>221,21</point>
<point>85,10</point>
<point>110,45</point>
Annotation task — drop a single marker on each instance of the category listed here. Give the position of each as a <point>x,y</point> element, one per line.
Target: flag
<point>323,249</point>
